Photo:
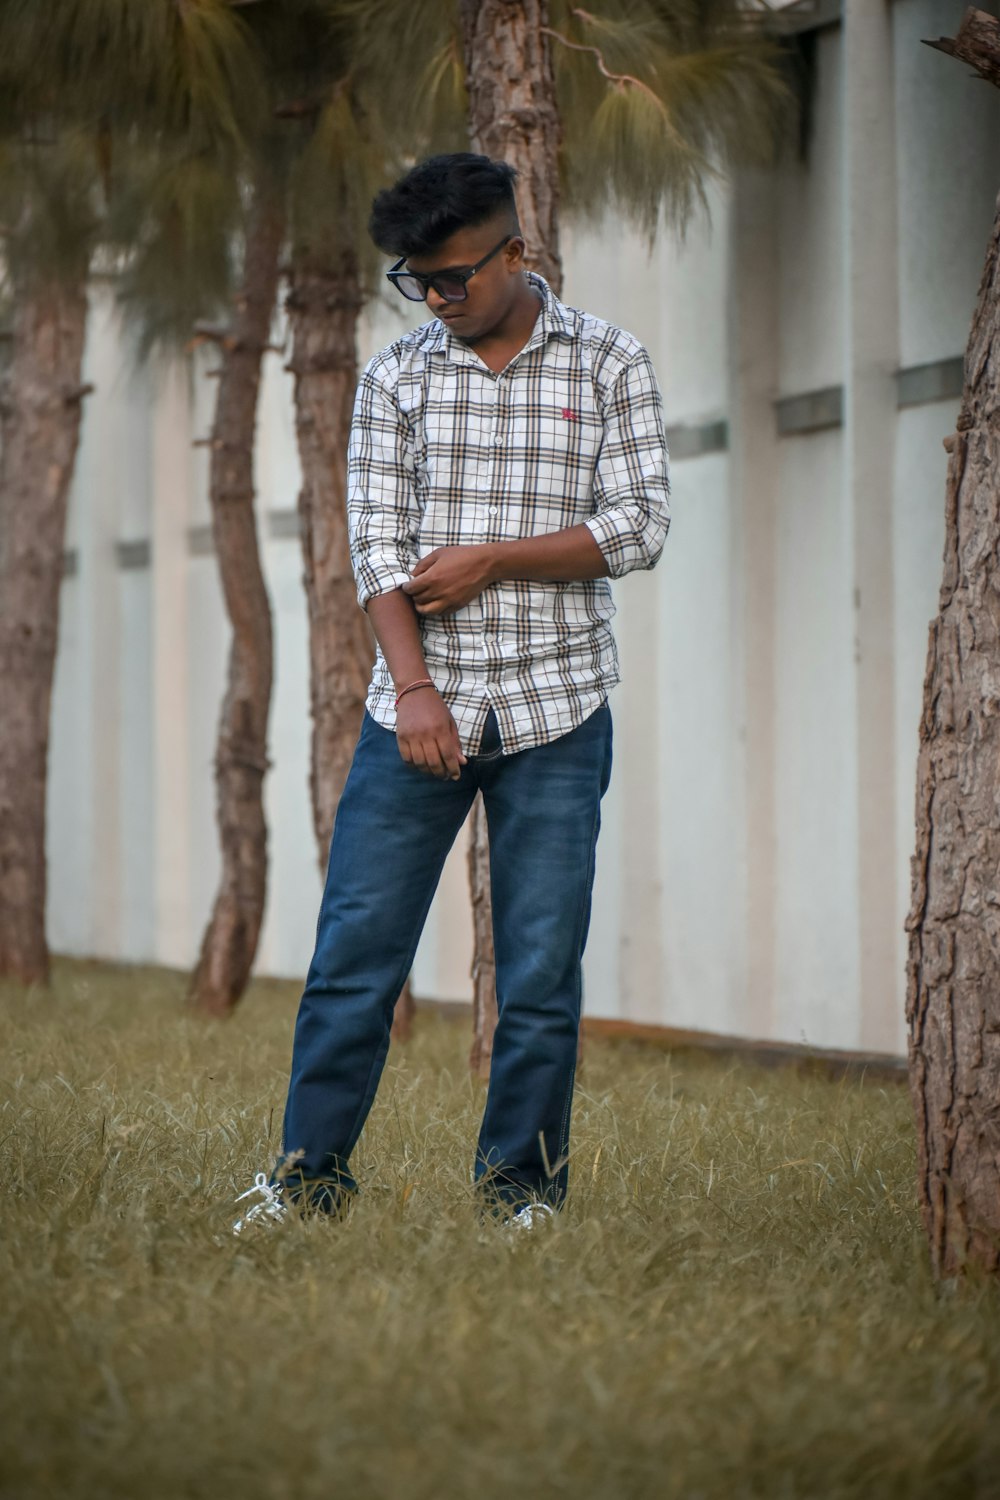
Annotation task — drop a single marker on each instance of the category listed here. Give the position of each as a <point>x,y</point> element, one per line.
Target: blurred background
<point>807,310</point>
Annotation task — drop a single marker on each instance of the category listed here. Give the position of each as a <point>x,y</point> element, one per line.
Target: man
<point>506,458</point>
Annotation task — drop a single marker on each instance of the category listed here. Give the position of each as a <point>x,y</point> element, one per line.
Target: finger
<point>452,752</point>
<point>418,587</point>
<point>433,761</point>
<point>432,607</point>
<point>454,760</point>
<point>425,562</point>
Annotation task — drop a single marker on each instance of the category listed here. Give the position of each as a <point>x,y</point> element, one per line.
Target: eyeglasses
<point>451,285</point>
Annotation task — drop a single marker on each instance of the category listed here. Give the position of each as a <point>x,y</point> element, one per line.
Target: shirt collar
<point>554,321</point>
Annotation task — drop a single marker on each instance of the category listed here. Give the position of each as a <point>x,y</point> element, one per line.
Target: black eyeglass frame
<point>397,276</point>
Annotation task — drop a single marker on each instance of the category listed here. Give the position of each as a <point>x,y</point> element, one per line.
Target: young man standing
<point>506,459</point>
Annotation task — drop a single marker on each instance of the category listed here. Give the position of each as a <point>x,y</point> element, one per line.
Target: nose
<point>435,301</point>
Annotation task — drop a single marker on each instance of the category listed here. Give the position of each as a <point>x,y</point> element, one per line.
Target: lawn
<point>735,1303</point>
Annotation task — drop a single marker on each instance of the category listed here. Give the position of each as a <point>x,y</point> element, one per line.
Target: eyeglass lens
<point>451,290</point>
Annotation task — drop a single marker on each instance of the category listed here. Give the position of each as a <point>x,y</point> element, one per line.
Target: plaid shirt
<point>444,452</point>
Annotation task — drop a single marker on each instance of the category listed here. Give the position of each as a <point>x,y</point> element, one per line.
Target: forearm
<point>397,630</point>
<point>450,577</point>
<point>560,557</point>
<point>425,730</point>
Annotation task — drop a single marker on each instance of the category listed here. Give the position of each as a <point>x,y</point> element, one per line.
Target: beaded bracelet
<point>412,688</point>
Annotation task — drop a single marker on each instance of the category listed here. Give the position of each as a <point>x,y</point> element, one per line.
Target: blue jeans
<point>394,827</point>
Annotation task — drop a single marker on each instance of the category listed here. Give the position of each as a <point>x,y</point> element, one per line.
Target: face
<point>490,294</point>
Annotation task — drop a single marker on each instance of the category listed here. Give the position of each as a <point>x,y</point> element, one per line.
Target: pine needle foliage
<point>338,169</point>
<point>692,96</point>
<point>657,98</point>
<point>122,131</point>
<point>338,137</point>
<point>51,217</point>
<point>736,1301</point>
<point>172,238</point>
<point>191,67</point>
<point>411,59</point>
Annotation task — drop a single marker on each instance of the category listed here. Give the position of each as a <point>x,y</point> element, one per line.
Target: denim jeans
<point>394,827</point>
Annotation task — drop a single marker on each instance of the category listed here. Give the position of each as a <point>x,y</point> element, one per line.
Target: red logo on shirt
<point>570,414</point>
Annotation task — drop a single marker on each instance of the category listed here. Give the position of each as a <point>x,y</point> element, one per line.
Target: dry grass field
<point>736,1302</point>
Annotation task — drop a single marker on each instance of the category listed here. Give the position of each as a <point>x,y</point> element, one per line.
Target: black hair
<point>440,196</point>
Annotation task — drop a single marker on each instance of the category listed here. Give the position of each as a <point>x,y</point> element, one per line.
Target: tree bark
<point>953,990</point>
<point>513,113</point>
<point>484,989</point>
<point>323,303</point>
<point>953,968</point>
<point>977,43</point>
<point>230,941</point>
<point>512,116</point>
<point>40,413</point>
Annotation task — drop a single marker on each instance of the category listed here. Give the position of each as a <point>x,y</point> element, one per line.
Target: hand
<point>427,734</point>
<point>449,577</point>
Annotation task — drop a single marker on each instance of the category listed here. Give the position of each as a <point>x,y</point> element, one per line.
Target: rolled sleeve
<point>632,481</point>
<point>382,512</point>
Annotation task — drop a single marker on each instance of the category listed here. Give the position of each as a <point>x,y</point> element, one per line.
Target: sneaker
<point>271,1210</point>
<point>531,1216</point>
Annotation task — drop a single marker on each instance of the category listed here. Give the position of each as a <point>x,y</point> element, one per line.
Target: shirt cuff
<point>375,578</point>
<point>613,533</point>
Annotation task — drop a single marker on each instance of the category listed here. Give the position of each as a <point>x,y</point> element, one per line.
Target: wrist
<point>496,559</point>
<point>419,685</point>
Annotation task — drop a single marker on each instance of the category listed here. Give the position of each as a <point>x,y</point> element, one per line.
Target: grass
<point>735,1303</point>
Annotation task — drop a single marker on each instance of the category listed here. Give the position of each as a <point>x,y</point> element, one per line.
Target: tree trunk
<point>953,991</point>
<point>513,113</point>
<point>977,43</point>
<point>40,414</point>
<point>953,968</point>
<point>230,941</point>
<point>512,116</point>
<point>324,302</point>
<point>484,989</point>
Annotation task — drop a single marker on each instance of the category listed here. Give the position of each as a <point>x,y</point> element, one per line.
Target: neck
<point>514,329</point>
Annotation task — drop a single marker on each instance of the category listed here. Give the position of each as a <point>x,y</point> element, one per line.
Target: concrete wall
<point>753,872</point>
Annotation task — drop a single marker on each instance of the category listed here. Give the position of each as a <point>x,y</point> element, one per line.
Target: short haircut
<point>440,196</point>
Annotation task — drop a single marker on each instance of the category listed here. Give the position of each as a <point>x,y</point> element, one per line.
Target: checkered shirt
<point>444,452</point>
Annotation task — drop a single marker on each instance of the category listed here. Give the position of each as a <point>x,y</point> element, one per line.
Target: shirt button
<point>497,439</point>
<point>494,510</point>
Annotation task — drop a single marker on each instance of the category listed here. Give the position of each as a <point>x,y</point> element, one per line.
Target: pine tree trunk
<point>40,413</point>
<point>953,992</point>
<point>484,989</point>
<point>953,969</point>
<point>513,113</point>
<point>230,941</point>
<point>324,302</point>
<point>512,116</point>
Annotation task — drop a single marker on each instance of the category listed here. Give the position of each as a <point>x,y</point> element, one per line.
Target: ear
<point>513,254</point>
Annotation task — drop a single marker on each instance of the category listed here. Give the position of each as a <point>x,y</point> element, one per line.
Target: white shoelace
<point>272,1206</point>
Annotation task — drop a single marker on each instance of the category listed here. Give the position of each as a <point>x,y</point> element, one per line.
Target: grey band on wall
<point>689,441</point>
<point>133,554</point>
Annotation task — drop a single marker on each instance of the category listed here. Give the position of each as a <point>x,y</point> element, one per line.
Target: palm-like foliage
<point>655,97</point>
<point>190,70</point>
